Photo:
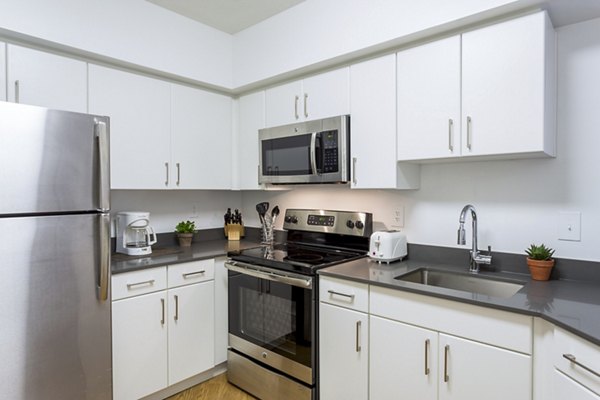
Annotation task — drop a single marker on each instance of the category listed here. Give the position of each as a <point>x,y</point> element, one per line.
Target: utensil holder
<point>267,230</point>
<point>234,231</point>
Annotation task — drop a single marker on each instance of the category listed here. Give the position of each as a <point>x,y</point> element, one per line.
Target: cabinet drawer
<point>139,282</point>
<point>348,294</point>
<point>498,328</point>
<point>192,272</point>
<point>586,355</point>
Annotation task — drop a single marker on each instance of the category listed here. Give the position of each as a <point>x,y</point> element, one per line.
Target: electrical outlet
<point>569,226</point>
<point>398,218</point>
<point>195,210</point>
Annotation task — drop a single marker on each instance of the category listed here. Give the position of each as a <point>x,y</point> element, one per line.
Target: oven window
<point>286,156</point>
<point>272,315</point>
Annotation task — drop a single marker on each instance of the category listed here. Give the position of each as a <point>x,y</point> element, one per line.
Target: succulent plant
<point>185,227</point>
<point>540,252</point>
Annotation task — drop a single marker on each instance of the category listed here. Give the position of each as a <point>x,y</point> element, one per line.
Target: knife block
<point>234,231</point>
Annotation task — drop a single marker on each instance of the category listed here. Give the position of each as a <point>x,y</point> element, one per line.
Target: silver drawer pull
<point>427,357</point>
<point>573,359</point>
<point>189,274</point>
<point>132,285</point>
<point>349,296</point>
<point>446,375</point>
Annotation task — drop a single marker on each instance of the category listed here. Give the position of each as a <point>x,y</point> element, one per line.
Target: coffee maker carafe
<point>135,236</point>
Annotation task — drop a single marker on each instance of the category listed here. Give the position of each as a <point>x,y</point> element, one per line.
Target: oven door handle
<point>305,283</point>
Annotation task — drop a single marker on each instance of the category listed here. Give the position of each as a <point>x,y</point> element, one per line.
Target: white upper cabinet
<point>373,121</point>
<point>139,111</point>
<point>319,96</point>
<point>201,147</point>
<point>46,80</point>
<point>251,118</point>
<point>2,71</point>
<point>508,81</point>
<point>488,93</point>
<point>429,100</point>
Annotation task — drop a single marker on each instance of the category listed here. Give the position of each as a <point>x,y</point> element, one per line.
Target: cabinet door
<point>504,81</point>
<point>473,371</point>
<point>402,357</point>
<point>344,353</point>
<point>139,111</point>
<point>2,71</point>
<point>566,388</point>
<point>201,139</point>
<point>429,100</point>
<point>283,104</point>
<point>251,119</point>
<point>221,311</point>
<point>326,95</point>
<point>46,80</point>
<point>191,330</point>
<point>139,338</point>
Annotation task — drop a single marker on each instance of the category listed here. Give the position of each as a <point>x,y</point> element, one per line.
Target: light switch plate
<point>569,226</point>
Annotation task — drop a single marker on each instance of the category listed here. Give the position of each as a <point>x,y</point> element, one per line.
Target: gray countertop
<point>572,305</point>
<point>167,255</point>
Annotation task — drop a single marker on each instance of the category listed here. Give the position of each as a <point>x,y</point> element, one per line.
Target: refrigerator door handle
<point>101,132</point>
<point>104,256</point>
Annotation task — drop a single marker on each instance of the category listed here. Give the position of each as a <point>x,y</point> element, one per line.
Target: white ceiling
<point>229,16</point>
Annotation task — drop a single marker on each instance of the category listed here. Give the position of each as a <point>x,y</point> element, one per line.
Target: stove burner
<point>304,257</point>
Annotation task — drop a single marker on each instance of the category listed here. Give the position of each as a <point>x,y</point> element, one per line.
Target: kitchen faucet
<point>476,257</point>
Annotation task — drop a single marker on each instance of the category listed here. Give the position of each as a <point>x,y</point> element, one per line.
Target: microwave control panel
<point>330,151</point>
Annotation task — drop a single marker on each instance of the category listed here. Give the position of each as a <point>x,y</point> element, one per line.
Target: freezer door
<point>52,161</point>
<point>55,316</point>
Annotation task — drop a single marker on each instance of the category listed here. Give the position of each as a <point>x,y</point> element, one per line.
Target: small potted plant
<point>539,261</point>
<point>185,232</point>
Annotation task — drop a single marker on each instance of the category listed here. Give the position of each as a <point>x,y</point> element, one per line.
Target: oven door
<point>271,318</point>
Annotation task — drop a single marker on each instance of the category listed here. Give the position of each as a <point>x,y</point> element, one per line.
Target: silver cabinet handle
<point>17,90</point>
<point>132,285</point>
<point>306,105</point>
<point>469,144</point>
<point>101,133</point>
<point>296,99</point>
<point>178,173</point>
<point>446,351</point>
<point>162,318</point>
<point>167,176</point>
<point>573,359</point>
<point>427,357</point>
<point>450,135</point>
<point>354,159</point>
<point>104,230</point>
<point>358,348</point>
<point>189,274</point>
<point>350,296</point>
<point>176,317</point>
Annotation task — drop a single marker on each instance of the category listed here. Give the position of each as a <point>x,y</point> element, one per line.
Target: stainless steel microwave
<point>307,152</point>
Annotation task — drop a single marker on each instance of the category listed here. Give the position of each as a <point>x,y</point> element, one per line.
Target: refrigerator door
<point>56,312</point>
<point>52,161</point>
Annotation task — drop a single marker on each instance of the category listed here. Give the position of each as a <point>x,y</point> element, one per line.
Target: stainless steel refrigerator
<point>55,331</point>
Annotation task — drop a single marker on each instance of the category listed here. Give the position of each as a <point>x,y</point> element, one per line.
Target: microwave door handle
<point>313,153</point>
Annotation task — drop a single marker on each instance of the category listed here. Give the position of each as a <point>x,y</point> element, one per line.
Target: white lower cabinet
<point>565,388</point>
<point>344,353</point>
<point>165,336</point>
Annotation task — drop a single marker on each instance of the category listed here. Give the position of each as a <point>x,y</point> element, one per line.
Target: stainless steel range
<point>273,302</point>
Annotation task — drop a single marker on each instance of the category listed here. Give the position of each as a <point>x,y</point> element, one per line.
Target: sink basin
<point>465,282</point>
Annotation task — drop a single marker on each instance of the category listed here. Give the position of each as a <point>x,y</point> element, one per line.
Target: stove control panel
<point>329,221</point>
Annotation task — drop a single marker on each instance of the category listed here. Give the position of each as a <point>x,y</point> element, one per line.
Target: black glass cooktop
<point>297,258</point>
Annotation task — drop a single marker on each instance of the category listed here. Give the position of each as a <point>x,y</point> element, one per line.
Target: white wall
<point>167,208</point>
<point>319,30</point>
<point>518,201</point>
<point>134,31</point>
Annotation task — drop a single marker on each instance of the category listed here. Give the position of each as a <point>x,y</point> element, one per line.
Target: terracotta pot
<point>540,269</point>
<point>185,239</point>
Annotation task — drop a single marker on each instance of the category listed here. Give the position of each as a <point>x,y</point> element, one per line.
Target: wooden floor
<point>216,388</point>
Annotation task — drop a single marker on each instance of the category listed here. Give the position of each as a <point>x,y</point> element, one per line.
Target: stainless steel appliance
<point>308,152</point>
<point>273,302</point>
<point>54,255</point>
<point>135,236</point>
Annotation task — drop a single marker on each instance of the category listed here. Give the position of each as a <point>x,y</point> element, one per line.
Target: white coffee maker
<point>135,236</point>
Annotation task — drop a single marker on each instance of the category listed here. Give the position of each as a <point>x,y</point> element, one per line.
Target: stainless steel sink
<point>464,282</point>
